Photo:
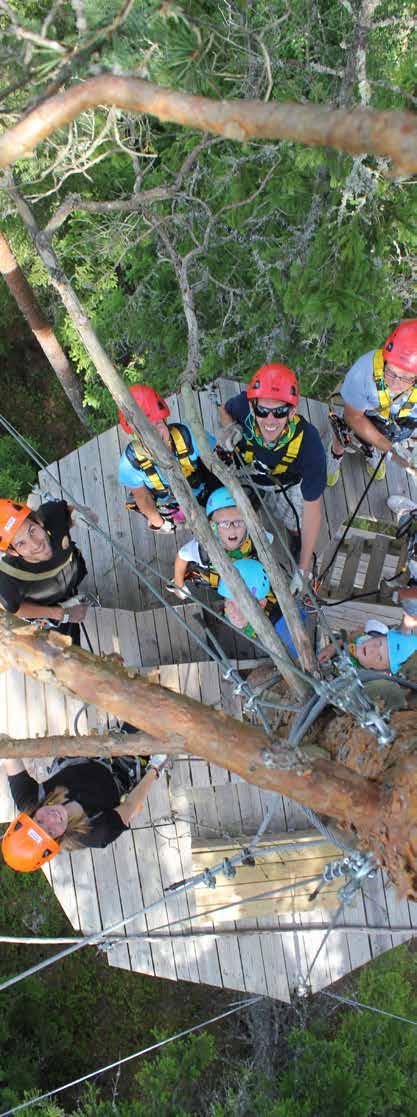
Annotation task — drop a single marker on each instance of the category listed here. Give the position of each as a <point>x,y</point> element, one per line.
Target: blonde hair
<point>78,823</point>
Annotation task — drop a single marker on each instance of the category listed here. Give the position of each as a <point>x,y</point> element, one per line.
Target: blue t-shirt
<point>132,475</point>
<point>309,467</point>
<point>359,389</point>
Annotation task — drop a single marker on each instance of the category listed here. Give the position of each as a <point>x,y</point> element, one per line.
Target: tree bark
<point>22,292</point>
<point>104,747</point>
<point>382,811</point>
<point>196,518</point>
<point>388,133</point>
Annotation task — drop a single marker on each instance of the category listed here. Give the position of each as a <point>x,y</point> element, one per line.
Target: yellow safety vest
<point>385,398</point>
<point>207,573</point>
<point>291,439</point>
<point>182,446</point>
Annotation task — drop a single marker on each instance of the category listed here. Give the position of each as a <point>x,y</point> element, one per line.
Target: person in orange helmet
<point>84,803</point>
<point>40,566</point>
<point>151,494</point>
<point>379,393</point>
<point>283,452</point>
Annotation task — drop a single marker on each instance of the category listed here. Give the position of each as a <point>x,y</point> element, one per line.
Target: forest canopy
<point>291,252</point>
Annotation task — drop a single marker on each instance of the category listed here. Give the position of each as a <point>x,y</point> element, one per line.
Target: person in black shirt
<point>282,452</point>
<point>79,806</point>
<point>40,565</point>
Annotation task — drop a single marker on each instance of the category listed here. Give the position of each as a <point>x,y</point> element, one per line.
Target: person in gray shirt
<point>380,404</point>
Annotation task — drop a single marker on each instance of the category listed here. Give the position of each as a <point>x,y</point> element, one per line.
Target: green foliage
<point>17,473</point>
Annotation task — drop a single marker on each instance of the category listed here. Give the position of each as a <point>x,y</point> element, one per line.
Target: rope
<point>354,513</point>
<point>360,1004</point>
<point>136,1055</point>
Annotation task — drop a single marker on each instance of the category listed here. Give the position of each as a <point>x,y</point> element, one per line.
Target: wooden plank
<point>211,696</point>
<point>353,554</point>
<point>274,966</point>
<point>377,558</point>
<point>398,910</point>
<point>171,871</point>
<point>358,945</point>
<point>264,873</point>
<point>128,595</point>
<point>102,554</point>
<point>205,948</point>
<point>209,403</point>
<point>85,887</point>
<point>109,901</point>
<point>62,883</point>
<point>148,643</point>
<point>290,903</point>
<point>128,638</point>
<point>376,912</point>
<point>131,900</point>
<point>152,891</point>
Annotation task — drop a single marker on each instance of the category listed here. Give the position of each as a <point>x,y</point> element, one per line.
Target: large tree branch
<point>226,474</point>
<point>106,746</point>
<point>196,518</point>
<point>382,812</point>
<point>389,133</point>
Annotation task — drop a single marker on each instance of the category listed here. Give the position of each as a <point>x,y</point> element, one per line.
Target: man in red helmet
<point>151,494</point>
<point>282,451</point>
<point>380,404</point>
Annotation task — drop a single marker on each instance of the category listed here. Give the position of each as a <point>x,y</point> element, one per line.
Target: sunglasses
<point>279,412</point>
<point>230,523</point>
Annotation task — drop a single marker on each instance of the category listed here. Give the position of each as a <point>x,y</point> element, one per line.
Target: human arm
<point>146,504</point>
<point>29,612</point>
<point>363,426</point>
<point>309,532</point>
<point>136,799</point>
<point>13,767</point>
<point>230,432</point>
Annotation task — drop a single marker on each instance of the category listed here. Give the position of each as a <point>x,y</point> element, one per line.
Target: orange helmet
<point>154,406</point>
<point>26,846</point>
<point>401,347</point>
<point>274,382</point>
<point>11,517</point>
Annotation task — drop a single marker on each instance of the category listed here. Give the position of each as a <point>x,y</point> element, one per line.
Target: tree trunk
<point>382,811</point>
<point>22,292</point>
<point>196,518</point>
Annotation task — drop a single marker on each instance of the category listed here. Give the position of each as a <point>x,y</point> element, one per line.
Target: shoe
<point>333,464</point>
<point>400,505</point>
<point>380,473</point>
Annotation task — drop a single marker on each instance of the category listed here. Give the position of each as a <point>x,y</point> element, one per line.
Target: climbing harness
<point>181,444</point>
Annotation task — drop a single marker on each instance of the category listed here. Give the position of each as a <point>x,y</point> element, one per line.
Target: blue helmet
<point>220,498</point>
<point>253,575</point>
<point>400,647</point>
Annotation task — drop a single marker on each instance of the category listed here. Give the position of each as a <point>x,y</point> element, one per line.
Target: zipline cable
<point>96,937</point>
<point>136,1055</point>
<point>352,1003</point>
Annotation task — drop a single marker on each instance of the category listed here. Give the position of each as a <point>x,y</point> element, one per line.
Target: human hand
<point>76,613</point>
<point>157,762</point>
<point>234,614</point>
<point>298,581</point>
<point>327,654</point>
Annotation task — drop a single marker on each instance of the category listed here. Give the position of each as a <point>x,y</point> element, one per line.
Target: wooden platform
<point>90,474</point>
<point>197,802</point>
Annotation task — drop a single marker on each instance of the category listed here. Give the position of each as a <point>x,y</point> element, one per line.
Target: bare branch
<point>388,133</point>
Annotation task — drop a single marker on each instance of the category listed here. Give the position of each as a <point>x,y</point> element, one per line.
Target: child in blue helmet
<point>257,581</point>
<point>227,522</point>
<point>378,650</point>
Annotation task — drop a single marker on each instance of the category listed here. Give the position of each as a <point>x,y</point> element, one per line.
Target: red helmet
<point>400,348</point>
<point>26,845</point>
<point>150,401</point>
<point>274,382</point>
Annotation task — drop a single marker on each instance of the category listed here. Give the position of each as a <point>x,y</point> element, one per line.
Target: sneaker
<point>333,464</point>
<point>401,505</point>
<point>370,464</point>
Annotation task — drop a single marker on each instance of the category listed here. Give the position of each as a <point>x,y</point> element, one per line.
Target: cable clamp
<point>209,878</point>
<point>228,869</point>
